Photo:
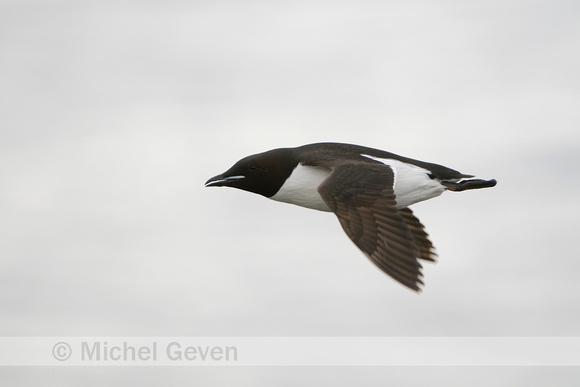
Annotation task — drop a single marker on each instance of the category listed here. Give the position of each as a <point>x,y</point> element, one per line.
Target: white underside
<point>412,184</point>
<point>301,188</point>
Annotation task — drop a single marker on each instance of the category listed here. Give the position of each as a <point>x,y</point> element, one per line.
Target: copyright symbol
<point>61,351</point>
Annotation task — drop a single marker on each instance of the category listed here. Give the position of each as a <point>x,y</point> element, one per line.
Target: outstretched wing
<point>362,197</point>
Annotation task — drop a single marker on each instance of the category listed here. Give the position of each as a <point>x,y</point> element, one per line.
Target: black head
<point>263,173</point>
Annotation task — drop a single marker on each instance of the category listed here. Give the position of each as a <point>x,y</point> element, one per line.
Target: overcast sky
<point>114,113</point>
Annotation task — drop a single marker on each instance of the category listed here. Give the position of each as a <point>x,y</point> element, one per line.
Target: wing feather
<point>363,199</point>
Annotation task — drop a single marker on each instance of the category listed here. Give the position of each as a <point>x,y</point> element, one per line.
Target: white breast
<point>412,183</point>
<point>301,188</point>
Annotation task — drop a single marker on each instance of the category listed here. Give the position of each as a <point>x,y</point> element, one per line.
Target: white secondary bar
<point>289,351</point>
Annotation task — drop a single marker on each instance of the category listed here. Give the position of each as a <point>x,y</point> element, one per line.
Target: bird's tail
<point>466,184</point>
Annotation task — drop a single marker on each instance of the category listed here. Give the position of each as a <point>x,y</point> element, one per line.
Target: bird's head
<point>263,173</point>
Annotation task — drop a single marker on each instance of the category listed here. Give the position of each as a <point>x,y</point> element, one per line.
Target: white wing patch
<point>412,183</point>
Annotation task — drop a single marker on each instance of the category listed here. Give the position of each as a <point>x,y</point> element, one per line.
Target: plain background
<point>114,113</point>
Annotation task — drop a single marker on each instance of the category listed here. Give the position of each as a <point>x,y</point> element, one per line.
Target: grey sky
<point>113,114</point>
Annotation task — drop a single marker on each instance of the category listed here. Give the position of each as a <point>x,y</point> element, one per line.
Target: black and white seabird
<point>368,189</point>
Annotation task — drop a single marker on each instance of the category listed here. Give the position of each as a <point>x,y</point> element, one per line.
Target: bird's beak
<point>220,180</point>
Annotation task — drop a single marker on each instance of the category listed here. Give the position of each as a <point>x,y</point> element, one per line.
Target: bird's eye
<point>255,168</point>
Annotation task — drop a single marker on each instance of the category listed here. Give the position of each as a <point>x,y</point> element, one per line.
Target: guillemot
<point>369,190</point>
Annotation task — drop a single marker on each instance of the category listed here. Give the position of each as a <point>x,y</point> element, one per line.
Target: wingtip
<point>416,288</point>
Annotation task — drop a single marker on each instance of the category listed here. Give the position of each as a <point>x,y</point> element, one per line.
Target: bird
<point>369,190</point>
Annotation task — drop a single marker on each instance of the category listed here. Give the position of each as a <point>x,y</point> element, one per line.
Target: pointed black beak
<point>220,180</point>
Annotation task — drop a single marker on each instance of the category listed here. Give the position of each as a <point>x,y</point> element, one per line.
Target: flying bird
<point>369,190</point>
